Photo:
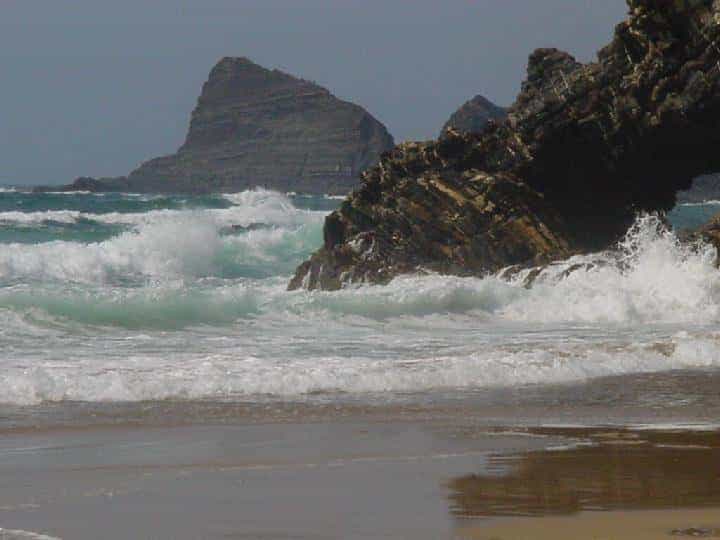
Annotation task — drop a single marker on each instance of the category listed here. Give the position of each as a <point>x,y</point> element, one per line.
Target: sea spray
<point>184,298</point>
<point>173,244</point>
<point>650,277</point>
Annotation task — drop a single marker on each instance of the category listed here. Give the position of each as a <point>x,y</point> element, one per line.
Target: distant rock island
<point>585,148</point>
<point>474,115</point>
<point>256,127</point>
<point>705,188</point>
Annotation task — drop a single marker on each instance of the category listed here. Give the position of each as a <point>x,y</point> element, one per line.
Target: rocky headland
<point>584,149</point>
<point>258,127</point>
<point>474,116</point>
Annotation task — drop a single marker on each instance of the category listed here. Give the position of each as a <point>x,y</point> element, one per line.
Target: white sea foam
<point>249,207</point>
<point>160,251</point>
<point>170,244</point>
<point>703,203</point>
<point>10,534</point>
<point>59,216</point>
<point>652,278</point>
<point>157,250</point>
<point>176,309</point>
<point>262,206</point>
<point>213,376</point>
<point>71,193</point>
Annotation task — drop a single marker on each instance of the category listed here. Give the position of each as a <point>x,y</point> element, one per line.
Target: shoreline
<point>347,478</point>
<point>683,399</point>
<point>356,476</point>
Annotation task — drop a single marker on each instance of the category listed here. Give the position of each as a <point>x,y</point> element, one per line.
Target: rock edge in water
<point>584,149</point>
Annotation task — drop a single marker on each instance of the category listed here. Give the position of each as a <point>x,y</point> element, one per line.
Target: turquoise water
<point>126,297</point>
<point>692,216</point>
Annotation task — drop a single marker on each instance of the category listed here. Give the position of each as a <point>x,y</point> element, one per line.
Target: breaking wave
<point>190,303</point>
<point>24,535</point>
<point>651,277</point>
<point>228,376</point>
<point>172,244</point>
<point>59,216</point>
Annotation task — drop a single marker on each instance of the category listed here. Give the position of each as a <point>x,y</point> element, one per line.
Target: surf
<point>188,301</point>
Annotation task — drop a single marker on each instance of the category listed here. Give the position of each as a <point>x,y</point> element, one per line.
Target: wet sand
<point>499,465</point>
<point>602,470</point>
<point>349,479</point>
<point>356,478</point>
<point>612,484</point>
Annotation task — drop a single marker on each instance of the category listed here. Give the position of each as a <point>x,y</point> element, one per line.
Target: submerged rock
<point>474,116</point>
<point>697,532</point>
<point>250,227</point>
<point>707,234</point>
<point>256,127</point>
<point>585,148</point>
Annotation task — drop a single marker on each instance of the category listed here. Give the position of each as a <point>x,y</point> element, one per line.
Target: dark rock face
<point>474,116</point>
<point>585,148</point>
<point>256,127</point>
<point>447,221</point>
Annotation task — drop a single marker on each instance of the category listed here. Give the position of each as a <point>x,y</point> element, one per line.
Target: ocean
<point>129,298</point>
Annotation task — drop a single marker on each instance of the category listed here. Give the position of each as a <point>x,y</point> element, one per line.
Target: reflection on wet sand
<point>607,470</point>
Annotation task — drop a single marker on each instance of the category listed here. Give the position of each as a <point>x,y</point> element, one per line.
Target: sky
<point>93,87</point>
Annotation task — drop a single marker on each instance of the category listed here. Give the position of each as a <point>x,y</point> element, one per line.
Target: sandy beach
<point>216,404</point>
<point>357,472</point>
<point>649,525</point>
<point>349,479</point>
<point>281,270</point>
<point>615,484</point>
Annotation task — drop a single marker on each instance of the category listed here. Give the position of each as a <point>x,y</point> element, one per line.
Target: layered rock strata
<point>257,127</point>
<point>585,147</point>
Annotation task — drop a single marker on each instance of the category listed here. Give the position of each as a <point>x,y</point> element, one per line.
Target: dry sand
<point>642,525</point>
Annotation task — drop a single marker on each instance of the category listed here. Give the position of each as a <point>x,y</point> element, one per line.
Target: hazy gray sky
<point>92,87</point>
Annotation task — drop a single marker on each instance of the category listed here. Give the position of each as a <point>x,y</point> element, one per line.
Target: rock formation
<point>585,147</point>
<point>256,127</point>
<point>707,234</point>
<point>474,116</point>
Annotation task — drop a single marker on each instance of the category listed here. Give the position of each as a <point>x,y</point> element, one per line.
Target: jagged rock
<point>707,234</point>
<point>474,116</point>
<point>256,127</point>
<point>585,147</point>
<point>445,222</point>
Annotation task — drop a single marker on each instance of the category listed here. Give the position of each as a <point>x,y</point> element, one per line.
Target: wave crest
<point>173,244</point>
<point>226,376</point>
